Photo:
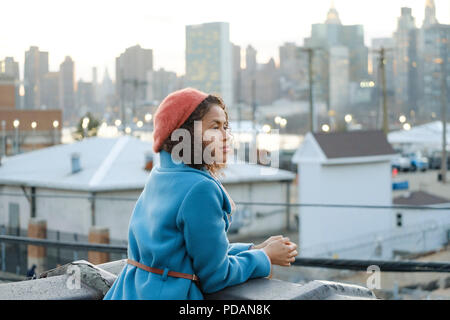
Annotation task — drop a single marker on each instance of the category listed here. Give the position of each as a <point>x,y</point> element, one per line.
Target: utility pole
<point>239,98</point>
<point>383,85</point>
<point>136,84</point>
<point>382,68</point>
<point>443,62</point>
<point>122,100</point>
<point>254,110</point>
<point>310,52</point>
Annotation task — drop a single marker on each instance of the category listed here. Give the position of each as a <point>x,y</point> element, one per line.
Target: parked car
<point>418,161</point>
<point>401,163</point>
<point>435,160</point>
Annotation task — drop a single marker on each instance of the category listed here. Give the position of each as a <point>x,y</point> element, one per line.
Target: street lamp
<point>16,124</point>
<point>3,138</point>
<point>277,119</point>
<point>33,126</point>
<point>348,118</point>
<point>85,125</point>
<point>406,126</point>
<point>55,131</point>
<point>402,119</point>
<point>325,128</point>
<point>148,117</point>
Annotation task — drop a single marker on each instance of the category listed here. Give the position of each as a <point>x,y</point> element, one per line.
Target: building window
<point>399,220</point>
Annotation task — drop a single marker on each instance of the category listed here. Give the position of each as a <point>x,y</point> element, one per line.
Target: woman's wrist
<point>253,246</point>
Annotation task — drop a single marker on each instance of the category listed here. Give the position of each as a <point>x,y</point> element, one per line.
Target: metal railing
<point>348,264</point>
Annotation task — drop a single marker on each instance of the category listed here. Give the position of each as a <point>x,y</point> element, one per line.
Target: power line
<point>92,197</point>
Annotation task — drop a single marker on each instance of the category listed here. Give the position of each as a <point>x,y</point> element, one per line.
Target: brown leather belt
<point>192,277</point>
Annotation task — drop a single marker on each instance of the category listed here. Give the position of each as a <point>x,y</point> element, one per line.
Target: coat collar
<point>166,162</point>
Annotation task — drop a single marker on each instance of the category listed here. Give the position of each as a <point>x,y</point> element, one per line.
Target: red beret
<point>173,112</point>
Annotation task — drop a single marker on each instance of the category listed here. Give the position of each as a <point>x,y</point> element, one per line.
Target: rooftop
<point>107,164</point>
<point>419,198</point>
<point>360,145</point>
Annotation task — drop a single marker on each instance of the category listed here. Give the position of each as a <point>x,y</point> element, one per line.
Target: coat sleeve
<point>235,248</point>
<point>203,227</point>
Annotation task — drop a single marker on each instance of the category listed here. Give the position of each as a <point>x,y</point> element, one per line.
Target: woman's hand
<point>265,243</point>
<point>281,252</point>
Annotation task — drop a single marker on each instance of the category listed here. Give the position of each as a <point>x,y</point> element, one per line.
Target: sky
<point>94,32</point>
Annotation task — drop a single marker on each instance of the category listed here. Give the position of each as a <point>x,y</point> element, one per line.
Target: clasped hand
<point>280,250</point>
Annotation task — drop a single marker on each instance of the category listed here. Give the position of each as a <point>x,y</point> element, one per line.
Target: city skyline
<point>80,40</point>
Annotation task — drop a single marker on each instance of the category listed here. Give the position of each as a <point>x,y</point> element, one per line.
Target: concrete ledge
<point>94,281</point>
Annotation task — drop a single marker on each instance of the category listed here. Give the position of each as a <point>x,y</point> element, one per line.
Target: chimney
<point>148,161</point>
<point>75,158</point>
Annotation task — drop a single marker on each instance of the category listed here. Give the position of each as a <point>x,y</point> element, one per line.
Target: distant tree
<point>91,129</point>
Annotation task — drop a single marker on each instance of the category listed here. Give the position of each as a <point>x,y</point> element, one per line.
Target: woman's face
<point>216,134</point>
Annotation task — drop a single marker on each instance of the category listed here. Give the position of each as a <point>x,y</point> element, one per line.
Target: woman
<point>178,247</point>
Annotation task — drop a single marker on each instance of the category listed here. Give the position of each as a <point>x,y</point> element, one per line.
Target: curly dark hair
<point>197,115</point>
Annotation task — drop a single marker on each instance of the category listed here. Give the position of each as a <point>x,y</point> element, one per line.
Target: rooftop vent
<point>75,159</point>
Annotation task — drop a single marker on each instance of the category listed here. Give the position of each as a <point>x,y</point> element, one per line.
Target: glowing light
<point>118,122</point>
<point>266,128</point>
<point>139,124</point>
<point>325,128</point>
<point>34,124</point>
<point>55,124</point>
<point>147,117</point>
<point>16,123</point>
<point>406,126</point>
<point>348,118</point>
<point>402,118</point>
<point>85,122</point>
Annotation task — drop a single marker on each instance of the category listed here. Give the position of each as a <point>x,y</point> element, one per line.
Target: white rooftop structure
<point>429,134</point>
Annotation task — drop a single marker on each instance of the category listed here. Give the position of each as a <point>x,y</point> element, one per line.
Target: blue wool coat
<point>179,223</point>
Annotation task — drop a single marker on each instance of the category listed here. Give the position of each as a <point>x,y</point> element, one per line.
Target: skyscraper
<point>435,67</point>
<point>51,91</point>
<point>85,99</point>
<point>36,66</point>
<point>10,68</point>
<point>433,46</point>
<point>160,84</point>
<point>209,59</point>
<point>250,59</point>
<point>67,89</point>
<point>430,14</point>
<point>132,67</point>
<point>324,37</point>
<point>405,64</point>
<point>237,73</point>
<point>293,71</point>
